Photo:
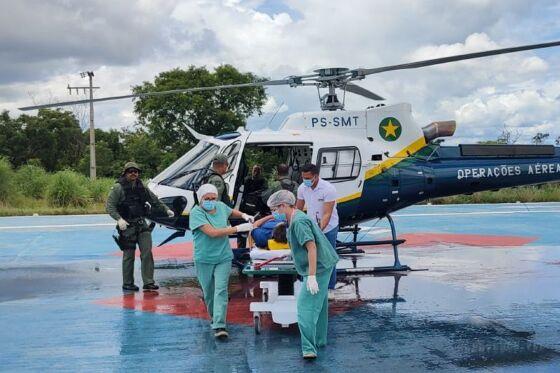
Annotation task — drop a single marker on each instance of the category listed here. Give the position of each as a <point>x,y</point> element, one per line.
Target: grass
<point>540,193</point>
<point>30,190</point>
<point>42,207</point>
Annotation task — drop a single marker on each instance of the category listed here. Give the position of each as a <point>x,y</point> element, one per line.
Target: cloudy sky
<point>44,45</point>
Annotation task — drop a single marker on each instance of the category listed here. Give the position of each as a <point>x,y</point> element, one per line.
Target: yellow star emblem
<point>390,129</point>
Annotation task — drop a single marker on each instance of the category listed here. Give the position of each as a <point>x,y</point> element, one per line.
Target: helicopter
<point>379,159</point>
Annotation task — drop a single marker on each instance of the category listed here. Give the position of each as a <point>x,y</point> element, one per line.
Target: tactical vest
<point>225,197</point>
<point>288,184</point>
<point>134,204</point>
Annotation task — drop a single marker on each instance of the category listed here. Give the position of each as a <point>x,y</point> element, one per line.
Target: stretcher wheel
<point>257,323</point>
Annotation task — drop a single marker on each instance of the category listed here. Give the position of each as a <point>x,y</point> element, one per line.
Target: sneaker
<point>221,333</point>
<point>150,287</point>
<point>309,356</point>
<point>130,287</point>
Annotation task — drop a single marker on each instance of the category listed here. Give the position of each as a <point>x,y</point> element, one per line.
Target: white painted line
<point>479,213</point>
<point>505,204</point>
<point>52,216</point>
<point>58,226</point>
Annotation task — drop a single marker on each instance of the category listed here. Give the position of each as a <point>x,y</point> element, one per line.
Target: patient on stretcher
<point>274,237</point>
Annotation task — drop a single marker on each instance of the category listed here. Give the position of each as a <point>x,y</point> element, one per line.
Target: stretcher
<point>279,298</point>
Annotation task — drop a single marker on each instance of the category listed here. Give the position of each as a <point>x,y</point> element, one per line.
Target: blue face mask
<point>279,216</point>
<point>308,182</point>
<point>208,205</point>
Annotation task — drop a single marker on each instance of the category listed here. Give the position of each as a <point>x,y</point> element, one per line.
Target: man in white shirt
<point>320,198</point>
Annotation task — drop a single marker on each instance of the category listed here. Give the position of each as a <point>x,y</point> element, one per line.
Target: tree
<point>13,143</point>
<point>539,138</point>
<point>508,136</point>
<point>105,163</point>
<point>209,112</point>
<point>54,137</point>
<point>141,148</point>
<point>109,153</point>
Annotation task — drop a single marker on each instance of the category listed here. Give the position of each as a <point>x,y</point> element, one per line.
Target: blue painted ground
<point>487,308</point>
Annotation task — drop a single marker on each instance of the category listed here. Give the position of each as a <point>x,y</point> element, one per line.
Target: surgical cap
<point>205,189</point>
<point>282,196</point>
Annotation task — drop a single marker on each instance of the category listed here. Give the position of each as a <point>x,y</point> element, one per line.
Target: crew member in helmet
<point>129,202</point>
<point>220,166</point>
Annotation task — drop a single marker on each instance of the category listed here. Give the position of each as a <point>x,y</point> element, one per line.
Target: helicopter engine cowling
<point>439,129</point>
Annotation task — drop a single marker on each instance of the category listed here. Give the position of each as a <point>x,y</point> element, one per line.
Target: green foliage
<point>531,193</point>
<point>7,187</point>
<point>142,149</point>
<point>105,162</point>
<point>13,142</point>
<point>267,159</point>
<point>67,188</point>
<point>210,112</point>
<point>32,180</point>
<point>54,137</point>
<point>99,189</point>
<point>539,138</point>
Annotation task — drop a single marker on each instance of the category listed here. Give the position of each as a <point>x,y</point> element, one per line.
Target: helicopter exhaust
<point>439,129</point>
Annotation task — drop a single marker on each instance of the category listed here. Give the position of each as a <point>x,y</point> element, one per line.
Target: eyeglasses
<point>132,171</point>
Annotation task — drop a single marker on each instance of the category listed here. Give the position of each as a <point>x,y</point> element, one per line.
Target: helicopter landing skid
<point>351,249</point>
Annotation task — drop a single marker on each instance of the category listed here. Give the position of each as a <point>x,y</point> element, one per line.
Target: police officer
<point>219,168</point>
<point>128,203</point>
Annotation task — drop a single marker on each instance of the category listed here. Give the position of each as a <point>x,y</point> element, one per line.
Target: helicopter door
<point>429,182</point>
<point>412,183</point>
<point>394,181</point>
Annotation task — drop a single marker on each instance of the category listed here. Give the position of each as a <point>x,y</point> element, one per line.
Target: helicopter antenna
<point>276,112</point>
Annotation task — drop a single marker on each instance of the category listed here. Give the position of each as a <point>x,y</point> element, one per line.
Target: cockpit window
<point>192,166</point>
<point>232,152</point>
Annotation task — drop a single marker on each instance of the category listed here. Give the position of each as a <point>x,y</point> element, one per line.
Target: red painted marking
<point>423,239</point>
<point>188,302</point>
<point>183,250</point>
<point>430,239</point>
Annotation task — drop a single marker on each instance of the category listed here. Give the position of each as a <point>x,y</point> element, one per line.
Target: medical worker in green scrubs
<point>209,224</point>
<point>314,259</point>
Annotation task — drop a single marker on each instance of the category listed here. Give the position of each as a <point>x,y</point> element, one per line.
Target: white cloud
<point>519,90</point>
<point>271,106</point>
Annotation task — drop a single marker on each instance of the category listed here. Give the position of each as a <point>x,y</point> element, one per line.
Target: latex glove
<point>123,224</point>
<point>170,213</point>
<point>248,218</point>
<point>245,227</point>
<point>312,285</point>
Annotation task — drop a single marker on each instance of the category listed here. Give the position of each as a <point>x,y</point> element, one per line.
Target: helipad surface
<point>490,300</point>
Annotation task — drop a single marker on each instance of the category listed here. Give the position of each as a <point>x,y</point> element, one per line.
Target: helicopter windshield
<point>191,167</point>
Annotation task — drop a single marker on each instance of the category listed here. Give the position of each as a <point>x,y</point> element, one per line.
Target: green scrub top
<point>302,230</point>
<point>210,250</point>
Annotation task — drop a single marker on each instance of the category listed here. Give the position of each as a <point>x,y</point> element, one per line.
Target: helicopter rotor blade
<point>459,57</point>
<point>287,81</point>
<point>361,91</point>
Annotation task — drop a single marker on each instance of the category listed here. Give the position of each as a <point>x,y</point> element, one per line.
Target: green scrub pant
<point>313,314</point>
<point>140,234</point>
<point>214,279</point>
